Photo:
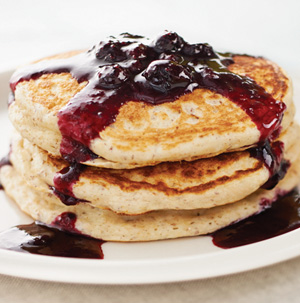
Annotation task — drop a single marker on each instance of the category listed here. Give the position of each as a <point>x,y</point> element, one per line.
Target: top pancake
<point>197,125</point>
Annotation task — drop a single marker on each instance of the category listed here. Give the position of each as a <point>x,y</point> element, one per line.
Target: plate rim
<point>147,271</point>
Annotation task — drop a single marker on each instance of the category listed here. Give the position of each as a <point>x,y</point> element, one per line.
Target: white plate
<point>136,263</point>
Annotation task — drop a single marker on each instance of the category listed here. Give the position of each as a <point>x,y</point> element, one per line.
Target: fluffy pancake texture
<point>202,183</point>
<point>164,224</point>
<point>196,125</point>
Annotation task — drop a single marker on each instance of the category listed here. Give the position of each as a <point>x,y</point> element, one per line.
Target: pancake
<point>164,224</point>
<point>202,183</point>
<point>199,124</point>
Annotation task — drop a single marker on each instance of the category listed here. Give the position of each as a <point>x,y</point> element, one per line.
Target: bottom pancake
<point>155,225</point>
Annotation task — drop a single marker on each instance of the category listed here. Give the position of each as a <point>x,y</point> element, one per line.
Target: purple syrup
<point>66,222</point>
<point>75,150</point>
<point>64,181</point>
<point>39,239</point>
<point>5,161</point>
<point>132,68</point>
<point>281,217</point>
<point>271,154</point>
<point>66,199</point>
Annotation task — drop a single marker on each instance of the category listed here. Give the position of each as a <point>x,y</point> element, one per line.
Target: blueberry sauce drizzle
<point>75,151</point>
<point>66,199</point>
<point>64,181</point>
<point>40,239</point>
<point>271,155</point>
<point>280,217</point>
<point>133,68</point>
<point>66,222</point>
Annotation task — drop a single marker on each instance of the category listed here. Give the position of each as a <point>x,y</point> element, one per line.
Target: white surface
<point>31,29</point>
<point>135,263</point>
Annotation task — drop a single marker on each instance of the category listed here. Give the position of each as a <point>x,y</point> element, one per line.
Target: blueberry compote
<point>64,181</point>
<point>280,217</point>
<point>133,68</point>
<point>58,241</point>
<point>271,154</point>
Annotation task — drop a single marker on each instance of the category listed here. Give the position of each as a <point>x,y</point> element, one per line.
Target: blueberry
<point>209,78</point>
<point>139,52</point>
<point>164,75</point>
<point>199,50</point>
<point>169,42</point>
<point>171,57</point>
<point>135,66</point>
<point>112,76</point>
<point>111,51</point>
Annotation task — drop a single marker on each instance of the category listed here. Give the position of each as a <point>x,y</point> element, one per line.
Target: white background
<point>34,28</point>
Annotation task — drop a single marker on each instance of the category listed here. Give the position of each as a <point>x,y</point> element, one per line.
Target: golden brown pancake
<point>197,125</point>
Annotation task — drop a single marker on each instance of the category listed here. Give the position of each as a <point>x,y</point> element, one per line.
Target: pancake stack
<point>139,140</point>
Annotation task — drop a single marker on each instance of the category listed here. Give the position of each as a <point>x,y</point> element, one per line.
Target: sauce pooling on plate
<point>133,68</point>
<point>39,239</point>
<point>281,217</point>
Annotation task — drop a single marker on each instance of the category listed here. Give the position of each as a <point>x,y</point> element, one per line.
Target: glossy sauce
<point>271,154</point>
<point>64,181</point>
<point>39,239</point>
<point>278,218</point>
